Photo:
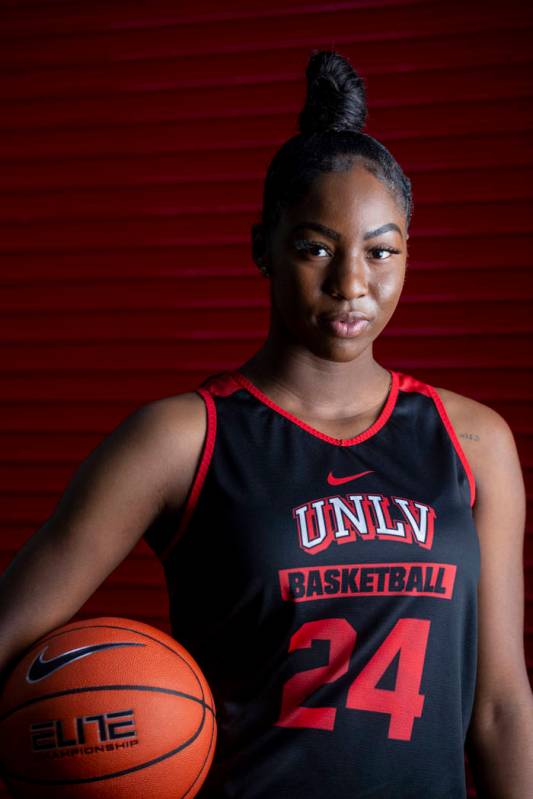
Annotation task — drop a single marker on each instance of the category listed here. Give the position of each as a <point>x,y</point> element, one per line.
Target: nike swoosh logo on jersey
<point>337,481</point>
<point>41,668</point>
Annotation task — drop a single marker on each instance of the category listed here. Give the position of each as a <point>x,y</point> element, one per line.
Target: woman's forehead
<point>346,200</point>
<point>355,184</point>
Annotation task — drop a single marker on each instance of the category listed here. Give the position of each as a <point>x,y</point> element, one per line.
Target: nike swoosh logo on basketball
<point>337,481</point>
<point>40,668</point>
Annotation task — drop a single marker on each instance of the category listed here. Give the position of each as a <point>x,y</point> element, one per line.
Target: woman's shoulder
<point>175,427</point>
<point>471,419</point>
<point>187,406</point>
<point>179,418</point>
<point>484,434</point>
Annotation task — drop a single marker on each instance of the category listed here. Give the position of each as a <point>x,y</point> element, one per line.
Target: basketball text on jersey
<point>323,521</point>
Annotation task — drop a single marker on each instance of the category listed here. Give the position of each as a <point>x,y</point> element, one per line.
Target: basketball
<point>106,707</point>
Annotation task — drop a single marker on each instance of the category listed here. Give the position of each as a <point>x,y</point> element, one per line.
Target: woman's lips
<point>345,325</point>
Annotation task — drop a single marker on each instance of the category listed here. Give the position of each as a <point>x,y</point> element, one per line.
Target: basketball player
<point>342,542</point>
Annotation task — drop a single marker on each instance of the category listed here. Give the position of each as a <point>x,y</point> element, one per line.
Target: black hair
<point>330,140</point>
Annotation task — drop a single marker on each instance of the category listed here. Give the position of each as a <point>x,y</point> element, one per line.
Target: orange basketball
<point>107,708</point>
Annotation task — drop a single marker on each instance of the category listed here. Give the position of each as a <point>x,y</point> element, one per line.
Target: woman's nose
<point>348,277</point>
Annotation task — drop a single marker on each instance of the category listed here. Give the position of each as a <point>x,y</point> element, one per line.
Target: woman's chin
<point>332,348</point>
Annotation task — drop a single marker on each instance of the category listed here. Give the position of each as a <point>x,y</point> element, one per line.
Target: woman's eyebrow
<point>332,234</point>
<point>383,229</point>
<point>327,231</point>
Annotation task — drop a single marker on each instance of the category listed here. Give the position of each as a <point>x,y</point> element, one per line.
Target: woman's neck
<point>303,383</point>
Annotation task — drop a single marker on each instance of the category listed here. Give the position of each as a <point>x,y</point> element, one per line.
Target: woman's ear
<point>259,248</point>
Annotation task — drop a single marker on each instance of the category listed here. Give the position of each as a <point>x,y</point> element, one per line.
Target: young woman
<point>347,566</point>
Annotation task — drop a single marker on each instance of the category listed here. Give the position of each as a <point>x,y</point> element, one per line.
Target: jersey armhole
<point>201,471</point>
<point>455,441</point>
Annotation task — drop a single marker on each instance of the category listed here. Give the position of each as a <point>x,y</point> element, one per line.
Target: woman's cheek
<point>291,290</point>
<point>287,299</point>
<point>389,289</point>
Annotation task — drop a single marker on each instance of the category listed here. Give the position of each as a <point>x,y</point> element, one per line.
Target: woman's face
<point>340,251</point>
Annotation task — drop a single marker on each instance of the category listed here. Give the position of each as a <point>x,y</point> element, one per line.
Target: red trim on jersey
<point>446,419</point>
<point>222,384</point>
<point>201,471</point>
<point>340,442</point>
<point>408,383</point>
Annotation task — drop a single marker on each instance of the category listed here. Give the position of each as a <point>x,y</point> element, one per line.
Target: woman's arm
<point>145,466</point>
<point>500,738</point>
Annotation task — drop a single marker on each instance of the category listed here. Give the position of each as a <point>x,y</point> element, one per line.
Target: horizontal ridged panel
<point>71,16</point>
<point>161,106</point>
<point>32,206</point>
<point>57,18</point>
<point>27,301</point>
<point>429,154</point>
<point>514,216</point>
<point>344,26</point>
<point>240,34</point>
<point>260,128</point>
<point>45,295</point>
<point>249,69</point>
<point>450,253</point>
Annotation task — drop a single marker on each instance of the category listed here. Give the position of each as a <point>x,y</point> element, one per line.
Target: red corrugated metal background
<point>134,142</point>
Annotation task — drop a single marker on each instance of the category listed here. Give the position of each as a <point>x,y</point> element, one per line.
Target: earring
<point>263,267</point>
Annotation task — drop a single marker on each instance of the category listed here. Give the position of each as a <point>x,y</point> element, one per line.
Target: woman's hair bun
<point>336,96</point>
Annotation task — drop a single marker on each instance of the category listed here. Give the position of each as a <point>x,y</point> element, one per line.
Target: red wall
<point>134,142</point>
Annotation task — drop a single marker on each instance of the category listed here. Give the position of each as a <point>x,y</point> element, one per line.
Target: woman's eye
<point>387,250</point>
<point>311,247</point>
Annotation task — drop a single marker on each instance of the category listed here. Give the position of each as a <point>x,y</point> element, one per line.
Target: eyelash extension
<point>392,250</point>
<point>304,245</point>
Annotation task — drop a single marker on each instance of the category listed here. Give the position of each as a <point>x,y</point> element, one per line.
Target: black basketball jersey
<point>328,590</point>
